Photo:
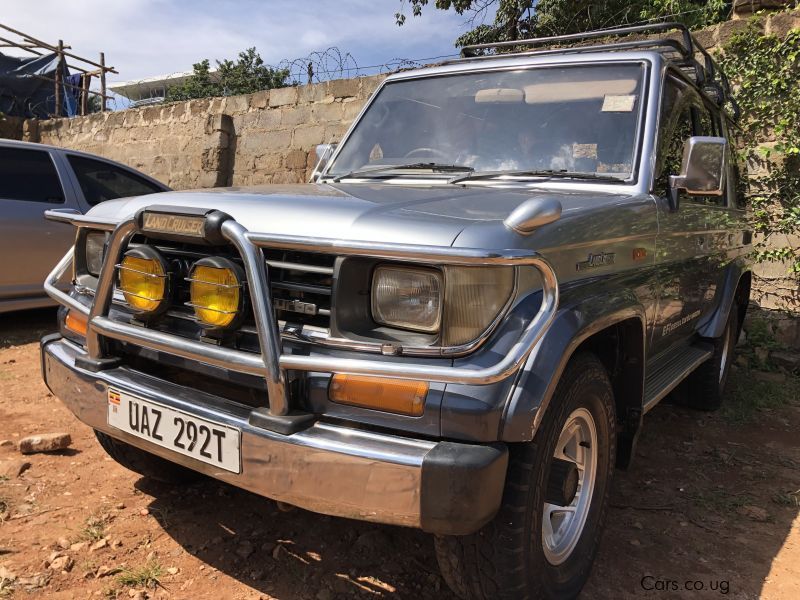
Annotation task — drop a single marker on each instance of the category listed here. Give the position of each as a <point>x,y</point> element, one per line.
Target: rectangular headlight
<point>407,298</point>
<point>95,244</point>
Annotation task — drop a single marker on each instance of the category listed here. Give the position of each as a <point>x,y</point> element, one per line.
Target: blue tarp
<point>27,87</point>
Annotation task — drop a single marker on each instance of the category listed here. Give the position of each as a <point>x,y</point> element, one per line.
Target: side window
<point>704,122</point>
<point>29,175</point>
<point>675,126</point>
<point>683,115</point>
<point>101,181</point>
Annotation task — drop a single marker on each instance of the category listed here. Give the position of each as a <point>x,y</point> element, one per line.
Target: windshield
<point>572,119</point>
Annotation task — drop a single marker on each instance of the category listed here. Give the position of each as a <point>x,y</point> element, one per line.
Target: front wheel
<point>544,539</point>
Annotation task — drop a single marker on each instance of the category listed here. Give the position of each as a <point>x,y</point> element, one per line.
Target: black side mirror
<point>702,169</point>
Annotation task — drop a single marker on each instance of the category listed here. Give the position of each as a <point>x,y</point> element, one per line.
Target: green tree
<point>764,71</point>
<point>518,19</point>
<point>246,75</point>
<point>95,104</point>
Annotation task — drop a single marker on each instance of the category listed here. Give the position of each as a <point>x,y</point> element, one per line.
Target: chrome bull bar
<point>272,363</point>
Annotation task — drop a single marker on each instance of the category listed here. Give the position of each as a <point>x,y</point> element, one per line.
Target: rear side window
<point>29,175</point>
<point>675,127</point>
<point>101,181</point>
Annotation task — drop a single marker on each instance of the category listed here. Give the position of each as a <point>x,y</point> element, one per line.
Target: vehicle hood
<point>431,215</point>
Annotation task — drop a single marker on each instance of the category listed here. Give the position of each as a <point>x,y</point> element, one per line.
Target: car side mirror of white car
<point>702,169</point>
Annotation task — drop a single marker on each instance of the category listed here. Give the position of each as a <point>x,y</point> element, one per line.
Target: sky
<point>147,38</point>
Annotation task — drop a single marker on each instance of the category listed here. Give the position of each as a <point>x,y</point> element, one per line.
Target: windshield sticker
<point>613,168</point>
<point>376,153</point>
<point>584,151</point>
<point>623,103</point>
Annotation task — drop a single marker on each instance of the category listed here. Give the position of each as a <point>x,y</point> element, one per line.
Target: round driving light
<point>144,280</point>
<point>215,290</point>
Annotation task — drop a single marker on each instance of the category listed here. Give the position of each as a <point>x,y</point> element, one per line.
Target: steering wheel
<point>425,151</point>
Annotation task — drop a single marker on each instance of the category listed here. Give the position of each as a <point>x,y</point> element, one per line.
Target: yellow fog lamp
<point>144,280</point>
<point>216,292</point>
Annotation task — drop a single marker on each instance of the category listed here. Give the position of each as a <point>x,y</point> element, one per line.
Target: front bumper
<point>440,487</point>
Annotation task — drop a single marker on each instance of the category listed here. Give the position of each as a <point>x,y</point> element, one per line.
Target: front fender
<point>575,323</point>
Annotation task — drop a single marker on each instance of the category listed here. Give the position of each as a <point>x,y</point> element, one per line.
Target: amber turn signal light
<point>388,395</point>
<point>76,323</point>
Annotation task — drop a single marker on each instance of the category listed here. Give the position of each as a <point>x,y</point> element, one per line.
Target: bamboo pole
<point>59,76</point>
<point>85,82</point>
<point>34,45</point>
<point>47,46</point>
<point>103,80</point>
<point>9,44</point>
<point>15,45</point>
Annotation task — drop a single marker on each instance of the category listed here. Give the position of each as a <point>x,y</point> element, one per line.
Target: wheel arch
<point>735,287</point>
<point>617,336</point>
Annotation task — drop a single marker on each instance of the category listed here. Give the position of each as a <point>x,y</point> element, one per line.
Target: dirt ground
<point>709,508</point>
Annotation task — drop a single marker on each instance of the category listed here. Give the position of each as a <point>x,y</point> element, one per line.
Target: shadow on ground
<point>26,326</point>
<point>295,554</point>
<point>708,504</point>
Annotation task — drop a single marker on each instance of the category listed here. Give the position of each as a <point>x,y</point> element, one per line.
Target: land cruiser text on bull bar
<point>458,325</point>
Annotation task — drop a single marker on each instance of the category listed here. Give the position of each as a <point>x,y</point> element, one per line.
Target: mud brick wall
<point>266,137</point>
<point>11,127</point>
<point>277,131</point>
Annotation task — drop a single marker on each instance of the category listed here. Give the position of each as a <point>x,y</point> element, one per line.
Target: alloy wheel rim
<point>562,526</point>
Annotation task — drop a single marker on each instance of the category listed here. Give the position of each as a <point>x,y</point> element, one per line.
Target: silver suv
<point>459,325</point>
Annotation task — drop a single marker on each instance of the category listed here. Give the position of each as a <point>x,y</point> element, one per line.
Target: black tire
<point>506,559</point>
<point>706,385</point>
<point>146,464</point>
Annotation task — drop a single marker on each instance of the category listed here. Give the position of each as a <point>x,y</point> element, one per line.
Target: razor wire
<point>332,63</point>
<point>316,67</point>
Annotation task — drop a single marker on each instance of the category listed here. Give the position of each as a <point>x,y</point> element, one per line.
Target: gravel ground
<point>709,508</point>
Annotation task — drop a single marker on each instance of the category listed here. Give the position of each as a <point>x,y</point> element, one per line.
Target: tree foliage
<point>765,70</point>
<point>519,19</point>
<point>246,75</point>
<point>95,104</point>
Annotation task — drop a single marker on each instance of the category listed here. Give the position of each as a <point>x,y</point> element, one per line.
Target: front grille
<point>300,284</point>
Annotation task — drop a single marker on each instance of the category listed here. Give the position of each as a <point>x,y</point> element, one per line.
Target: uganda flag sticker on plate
<point>113,397</point>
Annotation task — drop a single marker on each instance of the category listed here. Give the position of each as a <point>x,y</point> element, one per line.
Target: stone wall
<point>11,127</point>
<point>266,137</point>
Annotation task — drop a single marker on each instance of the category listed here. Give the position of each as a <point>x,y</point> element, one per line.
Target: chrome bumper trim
<point>325,468</point>
<point>272,363</point>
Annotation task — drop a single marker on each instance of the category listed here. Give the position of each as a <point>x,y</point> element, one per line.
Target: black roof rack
<point>682,52</point>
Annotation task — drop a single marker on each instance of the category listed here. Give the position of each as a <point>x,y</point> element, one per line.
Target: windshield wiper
<point>432,166</point>
<point>546,174</point>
